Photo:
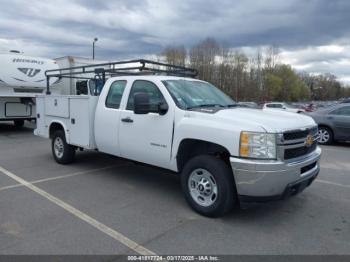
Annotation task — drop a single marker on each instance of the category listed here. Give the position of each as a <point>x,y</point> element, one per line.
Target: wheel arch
<point>189,148</point>
<point>55,126</point>
<point>333,134</point>
<point>326,126</point>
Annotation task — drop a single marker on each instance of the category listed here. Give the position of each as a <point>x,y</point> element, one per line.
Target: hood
<point>270,121</point>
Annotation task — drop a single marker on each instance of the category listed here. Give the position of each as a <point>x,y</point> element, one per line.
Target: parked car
<point>333,123</point>
<point>345,101</point>
<point>247,104</point>
<point>283,106</point>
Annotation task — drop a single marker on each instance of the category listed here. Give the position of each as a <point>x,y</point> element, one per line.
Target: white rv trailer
<point>21,78</point>
<point>67,86</point>
<point>74,86</point>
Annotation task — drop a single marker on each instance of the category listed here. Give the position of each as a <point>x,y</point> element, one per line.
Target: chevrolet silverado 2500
<point>224,154</point>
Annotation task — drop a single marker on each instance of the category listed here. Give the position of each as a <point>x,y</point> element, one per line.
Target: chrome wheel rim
<point>202,187</point>
<point>324,136</point>
<point>58,147</point>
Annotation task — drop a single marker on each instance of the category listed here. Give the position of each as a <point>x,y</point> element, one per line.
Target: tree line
<point>261,77</point>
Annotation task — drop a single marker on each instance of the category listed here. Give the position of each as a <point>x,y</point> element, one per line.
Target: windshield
<point>189,94</point>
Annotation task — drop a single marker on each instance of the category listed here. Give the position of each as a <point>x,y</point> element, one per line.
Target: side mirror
<point>143,106</point>
<point>163,108</point>
<point>141,103</point>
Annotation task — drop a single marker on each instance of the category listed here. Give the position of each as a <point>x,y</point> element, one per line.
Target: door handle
<point>127,120</point>
<point>329,117</point>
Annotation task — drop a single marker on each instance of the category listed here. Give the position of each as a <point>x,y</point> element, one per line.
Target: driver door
<point>340,119</point>
<point>146,138</point>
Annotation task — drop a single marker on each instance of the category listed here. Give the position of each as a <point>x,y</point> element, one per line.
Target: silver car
<point>333,123</point>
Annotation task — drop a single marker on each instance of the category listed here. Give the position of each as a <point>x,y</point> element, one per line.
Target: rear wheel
<point>208,186</point>
<point>326,135</point>
<point>62,152</point>
<point>19,123</point>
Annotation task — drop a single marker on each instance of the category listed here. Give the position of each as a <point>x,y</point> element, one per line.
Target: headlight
<point>257,145</point>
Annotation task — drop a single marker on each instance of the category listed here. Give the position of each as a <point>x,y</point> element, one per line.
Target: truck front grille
<point>298,134</point>
<point>294,143</point>
<point>299,151</point>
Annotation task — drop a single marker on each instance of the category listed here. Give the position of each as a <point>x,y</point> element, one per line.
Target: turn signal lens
<point>244,138</point>
<point>244,151</point>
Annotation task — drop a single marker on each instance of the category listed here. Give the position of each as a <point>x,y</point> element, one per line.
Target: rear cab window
<point>115,94</point>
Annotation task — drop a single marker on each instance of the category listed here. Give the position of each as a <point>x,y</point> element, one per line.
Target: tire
<point>18,123</point>
<point>326,135</point>
<point>200,171</point>
<point>61,151</point>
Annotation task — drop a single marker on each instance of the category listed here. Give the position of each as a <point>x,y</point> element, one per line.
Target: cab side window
<point>115,94</point>
<point>274,105</point>
<point>142,86</point>
<point>344,111</point>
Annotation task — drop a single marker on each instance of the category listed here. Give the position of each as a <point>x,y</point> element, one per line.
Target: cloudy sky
<point>313,35</point>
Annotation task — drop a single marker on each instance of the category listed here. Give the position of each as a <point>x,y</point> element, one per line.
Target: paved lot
<point>93,205</point>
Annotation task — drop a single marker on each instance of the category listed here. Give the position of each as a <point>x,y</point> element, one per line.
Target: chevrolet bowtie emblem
<point>309,141</point>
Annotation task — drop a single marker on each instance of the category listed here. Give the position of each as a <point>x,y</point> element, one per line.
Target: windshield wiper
<point>205,105</point>
<point>232,105</point>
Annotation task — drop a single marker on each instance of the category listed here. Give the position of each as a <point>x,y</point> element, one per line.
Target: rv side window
<point>115,94</point>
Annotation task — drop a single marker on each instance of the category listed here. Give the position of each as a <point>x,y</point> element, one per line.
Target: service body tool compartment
<point>79,124</point>
<point>74,113</point>
<point>57,106</point>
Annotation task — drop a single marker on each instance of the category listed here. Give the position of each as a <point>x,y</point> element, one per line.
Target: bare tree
<point>202,57</point>
<point>271,57</point>
<point>175,55</point>
<point>259,78</point>
<point>240,62</point>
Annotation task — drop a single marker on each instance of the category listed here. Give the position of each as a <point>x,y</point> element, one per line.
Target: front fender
<point>198,129</point>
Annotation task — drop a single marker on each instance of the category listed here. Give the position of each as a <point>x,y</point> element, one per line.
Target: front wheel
<point>326,135</point>
<point>62,152</point>
<point>208,186</point>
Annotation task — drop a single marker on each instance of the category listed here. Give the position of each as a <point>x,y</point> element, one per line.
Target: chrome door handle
<point>127,120</point>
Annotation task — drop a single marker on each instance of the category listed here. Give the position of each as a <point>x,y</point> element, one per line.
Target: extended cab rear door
<point>146,138</point>
<point>107,118</point>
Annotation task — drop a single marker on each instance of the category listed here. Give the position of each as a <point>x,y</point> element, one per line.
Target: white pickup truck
<point>225,155</point>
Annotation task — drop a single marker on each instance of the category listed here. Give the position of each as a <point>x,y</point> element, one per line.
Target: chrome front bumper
<point>271,178</point>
